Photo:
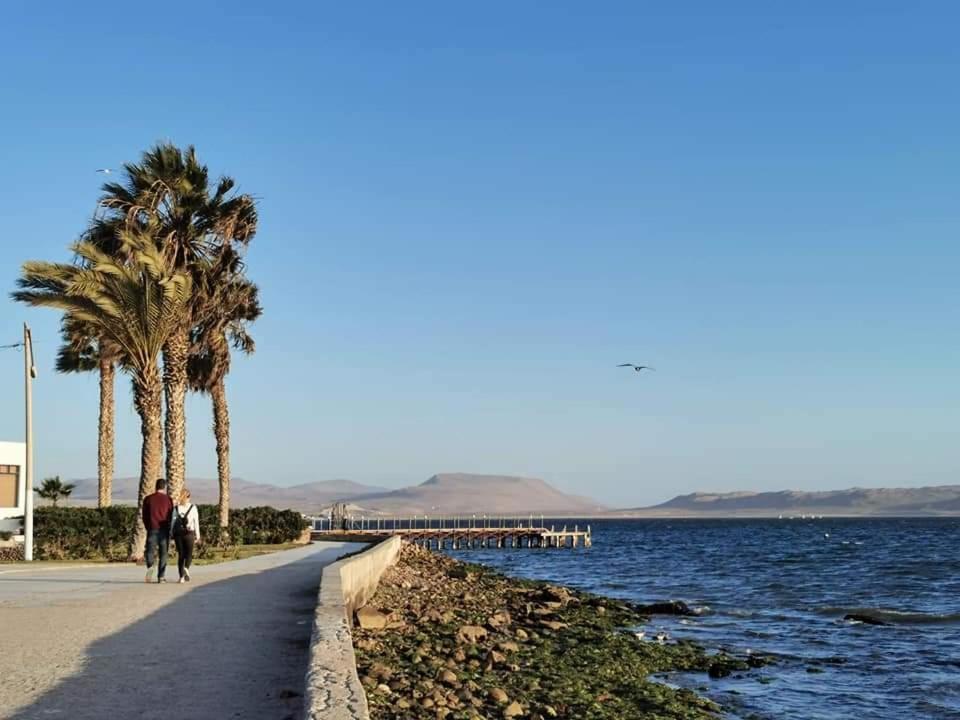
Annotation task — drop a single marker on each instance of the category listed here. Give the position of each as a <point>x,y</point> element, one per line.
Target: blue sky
<point>469,215</point>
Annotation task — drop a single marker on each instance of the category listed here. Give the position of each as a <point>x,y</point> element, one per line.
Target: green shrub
<point>77,533</point>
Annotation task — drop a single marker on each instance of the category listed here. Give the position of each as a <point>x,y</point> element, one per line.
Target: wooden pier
<point>459,533</point>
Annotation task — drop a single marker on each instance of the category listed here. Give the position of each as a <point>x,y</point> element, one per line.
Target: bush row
<point>77,533</point>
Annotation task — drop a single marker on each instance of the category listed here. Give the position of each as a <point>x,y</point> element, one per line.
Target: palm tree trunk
<point>175,390</point>
<point>221,431</point>
<point>148,399</point>
<point>105,444</point>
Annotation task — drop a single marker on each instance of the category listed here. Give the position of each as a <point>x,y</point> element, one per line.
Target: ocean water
<point>783,587</point>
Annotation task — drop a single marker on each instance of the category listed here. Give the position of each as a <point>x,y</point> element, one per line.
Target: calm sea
<point>783,587</point>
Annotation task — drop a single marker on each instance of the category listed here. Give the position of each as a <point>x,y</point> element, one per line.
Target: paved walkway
<point>96,641</point>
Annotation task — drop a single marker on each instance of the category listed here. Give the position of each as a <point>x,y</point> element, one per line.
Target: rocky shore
<point>443,640</point>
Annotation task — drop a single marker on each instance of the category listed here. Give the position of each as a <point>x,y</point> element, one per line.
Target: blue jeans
<point>158,540</point>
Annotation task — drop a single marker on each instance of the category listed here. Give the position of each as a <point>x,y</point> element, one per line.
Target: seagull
<point>105,171</point>
<point>638,368</point>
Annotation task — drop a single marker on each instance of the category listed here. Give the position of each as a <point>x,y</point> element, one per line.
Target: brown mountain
<point>935,500</point>
<point>459,493</point>
<point>305,497</point>
<point>451,493</point>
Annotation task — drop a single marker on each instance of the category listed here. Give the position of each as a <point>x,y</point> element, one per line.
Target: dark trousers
<point>158,543</point>
<point>184,551</point>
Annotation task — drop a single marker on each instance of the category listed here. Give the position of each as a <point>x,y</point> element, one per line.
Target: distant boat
<point>780,517</point>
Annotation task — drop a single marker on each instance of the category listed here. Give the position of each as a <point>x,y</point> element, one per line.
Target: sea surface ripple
<point>783,587</point>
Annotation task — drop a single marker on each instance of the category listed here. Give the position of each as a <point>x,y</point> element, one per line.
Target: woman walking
<point>185,527</point>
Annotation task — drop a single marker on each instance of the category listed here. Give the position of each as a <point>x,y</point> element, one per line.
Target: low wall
<point>333,689</point>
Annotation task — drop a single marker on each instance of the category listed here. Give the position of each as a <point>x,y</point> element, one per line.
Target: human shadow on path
<point>233,648</point>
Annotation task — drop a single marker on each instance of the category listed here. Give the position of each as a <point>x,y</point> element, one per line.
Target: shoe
<point>149,577</point>
<point>162,580</point>
<point>181,581</point>
<point>186,574</point>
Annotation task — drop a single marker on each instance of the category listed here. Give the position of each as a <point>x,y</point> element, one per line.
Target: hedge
<point>77,533</point>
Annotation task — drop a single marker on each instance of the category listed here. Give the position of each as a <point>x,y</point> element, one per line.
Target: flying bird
<point>105,171</point>
<point>638,368</point>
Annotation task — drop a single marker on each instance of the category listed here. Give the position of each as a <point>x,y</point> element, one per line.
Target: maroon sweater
<point>157,509</point>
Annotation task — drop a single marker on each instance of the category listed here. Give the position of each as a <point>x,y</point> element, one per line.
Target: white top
<point>193,518</point>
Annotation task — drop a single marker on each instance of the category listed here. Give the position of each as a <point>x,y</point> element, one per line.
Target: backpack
<point>181,527</point>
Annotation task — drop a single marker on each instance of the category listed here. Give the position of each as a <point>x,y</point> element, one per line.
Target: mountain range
<point>450,493</point>
<point>464,493</point>
<point>935,500</point>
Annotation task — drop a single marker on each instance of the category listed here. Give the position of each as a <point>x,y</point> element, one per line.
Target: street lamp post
<point>29,373</point>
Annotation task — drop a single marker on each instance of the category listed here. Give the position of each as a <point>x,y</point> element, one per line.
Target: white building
<point>13,459</point>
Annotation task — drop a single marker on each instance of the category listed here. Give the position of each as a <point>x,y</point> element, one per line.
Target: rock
<point>508,647</point>
<point>671,607</point>
<point>718,670</point>
<point>601,610</point>
<point>513,710</point>
<point>384,689</point>
<point>499,620</point>
<point>521,634</point>
<point>370,618</point>
<point>368,682</point>
<point>448,677</point>
<point>866,619</point>
<point>723,665</point>
<point>380,671</point>
<point>460,572</point>
<point>549,711</point>
<point>471,634</point>
<point>427,703</point>
<point>494,658</point>
<point>498,695</point>
<point>553,625</point>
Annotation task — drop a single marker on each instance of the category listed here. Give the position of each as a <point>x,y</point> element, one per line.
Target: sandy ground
<point>94,642</point>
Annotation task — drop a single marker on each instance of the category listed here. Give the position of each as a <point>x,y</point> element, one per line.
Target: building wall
<point>14,453</point>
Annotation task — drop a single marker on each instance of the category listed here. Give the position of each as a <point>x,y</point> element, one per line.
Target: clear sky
<point>471,212</point>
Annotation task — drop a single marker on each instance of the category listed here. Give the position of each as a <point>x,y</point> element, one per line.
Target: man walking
<point>157,511</point>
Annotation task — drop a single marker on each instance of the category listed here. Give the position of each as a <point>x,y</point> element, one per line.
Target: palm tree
<point>230,303</point>
<point>136,303</point>
<point>53,489</point>
<point>170,189</point>
<point>84,351</point>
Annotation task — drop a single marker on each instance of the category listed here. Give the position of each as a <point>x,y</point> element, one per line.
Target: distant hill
<point>445,493</point>
<point>465,493</point>
<point>305,497</point>
<point>936,500</point>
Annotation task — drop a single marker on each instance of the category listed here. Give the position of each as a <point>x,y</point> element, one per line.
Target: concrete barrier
<point>333,689</point>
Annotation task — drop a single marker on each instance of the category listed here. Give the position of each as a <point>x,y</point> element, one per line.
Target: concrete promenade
<point>93,642</point>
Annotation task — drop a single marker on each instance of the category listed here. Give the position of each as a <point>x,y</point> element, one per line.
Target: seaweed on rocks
<point>463,642</point>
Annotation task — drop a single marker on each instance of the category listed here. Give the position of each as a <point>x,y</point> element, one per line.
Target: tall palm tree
<point>171,189</point>
<point>83,350</point>
<point>230,303</point>
<point>137,304</point>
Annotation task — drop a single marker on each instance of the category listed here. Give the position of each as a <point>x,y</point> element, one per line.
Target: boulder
<point>670,607</point>
<point>513,710</point>
<point>448,677</point>
<point>471,634</point>
<point>460,572</point>
<point>370,618</point>
<point>498,695</point>
<point>498,620</point>
<point>866,619</point>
